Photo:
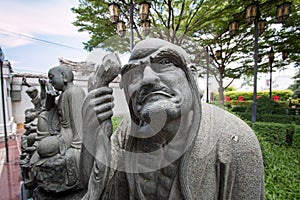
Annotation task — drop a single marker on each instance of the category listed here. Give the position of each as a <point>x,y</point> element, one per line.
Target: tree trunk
<point>221,90</point>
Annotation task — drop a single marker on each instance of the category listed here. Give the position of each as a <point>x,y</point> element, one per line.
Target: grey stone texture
<point>172,146</point>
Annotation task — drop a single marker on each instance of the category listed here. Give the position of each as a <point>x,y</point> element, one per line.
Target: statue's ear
<point>64,77</point>
<point>192,67</point>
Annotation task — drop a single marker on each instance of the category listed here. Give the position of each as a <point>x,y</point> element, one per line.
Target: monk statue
<point>55,162</point>
<point>172,146</point>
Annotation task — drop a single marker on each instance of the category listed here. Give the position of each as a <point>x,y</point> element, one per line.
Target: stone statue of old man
<point>172,146</point>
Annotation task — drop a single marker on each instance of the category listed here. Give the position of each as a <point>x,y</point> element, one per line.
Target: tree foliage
<point>196,25</point>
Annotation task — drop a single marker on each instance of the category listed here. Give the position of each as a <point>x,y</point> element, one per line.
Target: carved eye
<point>165,61</point>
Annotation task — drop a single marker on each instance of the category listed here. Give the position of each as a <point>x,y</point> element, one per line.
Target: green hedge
<point>284,119</point>
<point>271,132</point>
<point>296,137</point>
<point>277,133</point>
<point>233,103</point>
<point>248,95</point>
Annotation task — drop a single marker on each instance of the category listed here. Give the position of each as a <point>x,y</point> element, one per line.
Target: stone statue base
<point>56,174</point>
<point>41,194</point>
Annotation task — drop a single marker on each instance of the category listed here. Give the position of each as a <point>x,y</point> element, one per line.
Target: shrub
<point>283,119</point>
<point>296,137</point>
<point>248,95</point>
<point>239,109</point>
<point>271,132</point>
<point>266,105</point>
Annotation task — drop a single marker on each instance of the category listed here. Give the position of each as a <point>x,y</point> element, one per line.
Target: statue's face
<point>156,85</point>
<point>56,79</point>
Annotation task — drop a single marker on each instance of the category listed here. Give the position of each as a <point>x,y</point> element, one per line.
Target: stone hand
<point>42,81</point>
<point>98,104</point>
<point>106,72</point>
<point>51,90</point>
<point>24,82</point>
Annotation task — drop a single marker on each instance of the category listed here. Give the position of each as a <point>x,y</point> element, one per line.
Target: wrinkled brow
<point>163,53</point>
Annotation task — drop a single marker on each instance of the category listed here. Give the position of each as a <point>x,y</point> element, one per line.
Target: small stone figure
<point>173,146</point>
<point>30,125</point>
<point>54,164</point>
<point>37,100</point>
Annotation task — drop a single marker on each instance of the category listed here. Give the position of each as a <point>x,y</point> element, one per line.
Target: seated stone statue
<point>54,165</point>
<point>172,146</point>
<point>30,125</point>
<point>37,100</point>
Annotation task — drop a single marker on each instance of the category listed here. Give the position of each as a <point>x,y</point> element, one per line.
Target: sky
<point>51,21</point>
<point>26,24</point>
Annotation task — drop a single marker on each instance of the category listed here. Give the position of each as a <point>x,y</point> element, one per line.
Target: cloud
<point>51,17</point>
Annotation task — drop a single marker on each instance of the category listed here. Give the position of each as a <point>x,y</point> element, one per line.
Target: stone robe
<point>224,162</point>
<point>62,168</point>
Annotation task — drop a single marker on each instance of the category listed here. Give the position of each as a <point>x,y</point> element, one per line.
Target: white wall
<point>9,119</point>
<point>19,107</point>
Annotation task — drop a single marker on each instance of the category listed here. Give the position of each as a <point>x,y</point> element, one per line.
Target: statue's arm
<point>97,127</point>
<point>51,94</point>
<point>43,83</point>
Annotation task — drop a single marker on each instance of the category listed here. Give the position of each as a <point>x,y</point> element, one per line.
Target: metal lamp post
<point>121,27</point>
<point>271,60</point>
<point>253,16</point>
<point>207,75</point>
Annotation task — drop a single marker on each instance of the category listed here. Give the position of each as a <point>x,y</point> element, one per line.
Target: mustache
<point>148,90</point>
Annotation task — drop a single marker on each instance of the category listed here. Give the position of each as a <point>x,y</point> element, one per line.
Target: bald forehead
<point>60,69</point>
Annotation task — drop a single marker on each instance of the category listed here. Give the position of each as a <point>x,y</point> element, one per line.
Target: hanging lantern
<point>251,13</point>
<point>233,27</point>
<point>113,12</point>
<point>121,28</point>
<point>271,55</point>
<point>144,11</point>
<point>146,27</point>
<point>285,55</point>
<point>261,26</point>
<point>258,58</point>
<point>219,54</point>
<point>283,11</point>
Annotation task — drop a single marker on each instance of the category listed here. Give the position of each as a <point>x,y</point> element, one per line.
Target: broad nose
<point>150,76</point>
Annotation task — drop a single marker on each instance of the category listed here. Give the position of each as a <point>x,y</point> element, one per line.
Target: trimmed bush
<point>272,132</point>
<point>276,133</point>
<point>283,119</point>
<point>296,137</point>
<point>248,95</point>
<point>266,105</point>
<point>239,109</point>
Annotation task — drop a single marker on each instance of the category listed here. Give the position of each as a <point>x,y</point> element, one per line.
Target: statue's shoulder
<point>75,90</point>
<point>230,128</point>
